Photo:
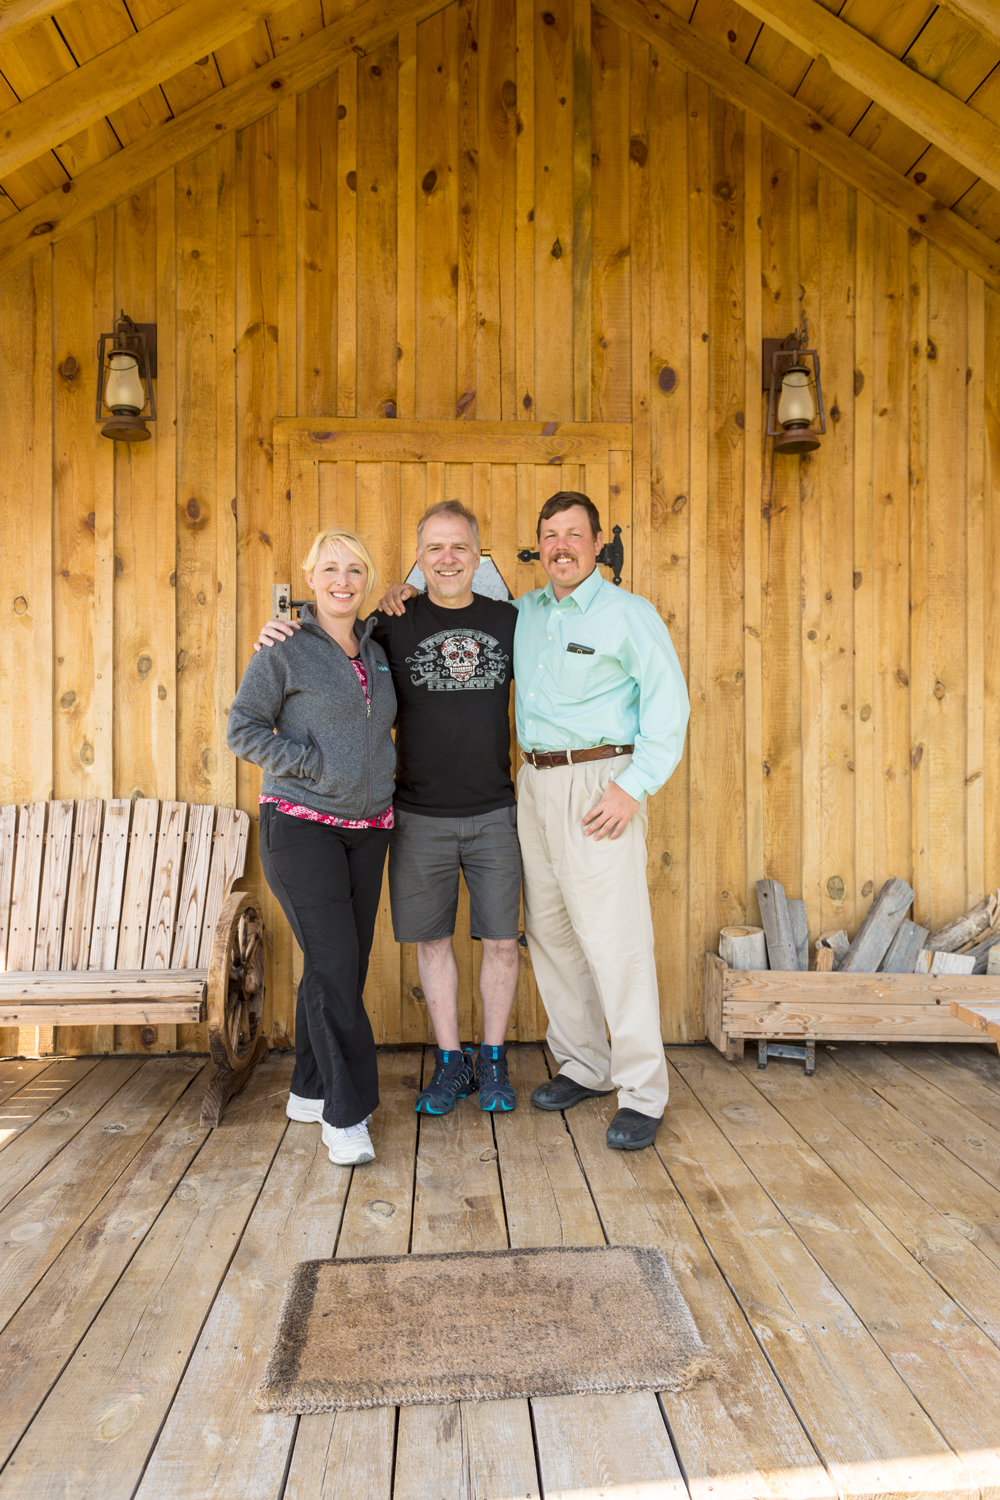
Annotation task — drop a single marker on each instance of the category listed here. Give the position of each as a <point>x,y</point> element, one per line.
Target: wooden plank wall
<point>513,213</point>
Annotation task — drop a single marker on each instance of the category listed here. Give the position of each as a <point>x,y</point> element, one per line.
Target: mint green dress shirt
<point>626,687</point>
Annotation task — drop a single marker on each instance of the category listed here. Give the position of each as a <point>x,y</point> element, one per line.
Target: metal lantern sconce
<point>126,367</point>
<point>794,395</point>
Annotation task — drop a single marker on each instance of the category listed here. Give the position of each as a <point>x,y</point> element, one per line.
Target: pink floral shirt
<point>295,810</point>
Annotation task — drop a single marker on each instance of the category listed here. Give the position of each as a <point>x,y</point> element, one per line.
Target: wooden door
<point>377,478</point>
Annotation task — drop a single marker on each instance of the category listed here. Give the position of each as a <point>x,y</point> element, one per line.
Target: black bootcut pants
<point>328,881</point>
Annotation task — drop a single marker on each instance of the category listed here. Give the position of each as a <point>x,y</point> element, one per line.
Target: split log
<point>993,961</point>
<point>837,939</point>
<point>872,939</point>
<point>966,928</point>
<point>904,950</point>
<point>782,952</point>
<point>743,947</point>
<point>981,949</point>
<point>800,931</point>
<point>931,962</point>
<point>824,960</point>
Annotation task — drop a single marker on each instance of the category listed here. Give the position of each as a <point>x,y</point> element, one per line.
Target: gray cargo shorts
<point>425,856</point>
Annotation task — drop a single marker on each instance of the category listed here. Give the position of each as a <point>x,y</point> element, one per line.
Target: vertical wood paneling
<point>496,212</point>
<point>317,281</point>
<point>376,276</point>
<point>725,880</point>
<point>781,539</point>
<point>553,215</point>
<point>608,263</point>
<point>509,213</point>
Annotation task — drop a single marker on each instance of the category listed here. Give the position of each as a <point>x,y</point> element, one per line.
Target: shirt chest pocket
<point>572,672</point>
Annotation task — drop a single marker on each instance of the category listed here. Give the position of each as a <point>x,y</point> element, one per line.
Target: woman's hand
<point>276,631</point>
<point>393,601</point>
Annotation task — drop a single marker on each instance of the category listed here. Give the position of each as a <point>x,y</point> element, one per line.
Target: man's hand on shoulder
<point>276,631</point>
<point>611,815</point>
<point>393,601</point>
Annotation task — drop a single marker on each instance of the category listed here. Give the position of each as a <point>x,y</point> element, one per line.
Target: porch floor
<point>837,1239</point>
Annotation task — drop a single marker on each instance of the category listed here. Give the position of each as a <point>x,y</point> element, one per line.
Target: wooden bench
<point>123,913</point>
<point>982,1015</point>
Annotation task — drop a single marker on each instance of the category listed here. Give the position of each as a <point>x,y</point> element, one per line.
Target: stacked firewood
<point>887,941</point>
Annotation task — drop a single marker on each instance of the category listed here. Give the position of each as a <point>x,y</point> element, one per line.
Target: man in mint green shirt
<point>602,711</point>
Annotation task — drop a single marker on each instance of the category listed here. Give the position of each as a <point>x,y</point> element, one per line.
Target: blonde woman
<point>316,718</point>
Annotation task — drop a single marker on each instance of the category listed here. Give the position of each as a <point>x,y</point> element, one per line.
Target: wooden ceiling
<point>82,83</point>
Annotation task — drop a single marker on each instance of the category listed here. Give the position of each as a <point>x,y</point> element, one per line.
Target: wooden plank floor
<point>837,1239</point>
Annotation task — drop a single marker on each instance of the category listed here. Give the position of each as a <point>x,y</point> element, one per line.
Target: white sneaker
<point>349,1146</point>
<point>308,1111</point>
<point>305,1110</point>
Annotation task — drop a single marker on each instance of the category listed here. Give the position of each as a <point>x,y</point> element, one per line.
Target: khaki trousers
<point>590,934</point>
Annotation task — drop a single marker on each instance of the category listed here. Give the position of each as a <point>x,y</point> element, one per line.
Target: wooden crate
<point>747,1005</point>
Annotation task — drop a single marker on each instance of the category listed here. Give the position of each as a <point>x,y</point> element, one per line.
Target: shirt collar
<point>584,593</point>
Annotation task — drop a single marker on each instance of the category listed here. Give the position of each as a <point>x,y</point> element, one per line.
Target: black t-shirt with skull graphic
<point>452,670</point>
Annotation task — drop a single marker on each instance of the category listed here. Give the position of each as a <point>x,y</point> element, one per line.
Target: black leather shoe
<point>562,1092</point>
<point>631,1131</point>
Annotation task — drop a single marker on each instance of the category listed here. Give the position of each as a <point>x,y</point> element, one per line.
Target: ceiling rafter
<point>19,15</point>
<point>918,102</point>
<point>984,15</point>
<point>804,129</point>
<point>119,75</point>
<point>309,62</point>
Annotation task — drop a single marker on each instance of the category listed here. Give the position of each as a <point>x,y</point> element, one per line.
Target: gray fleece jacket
<point>300,714</point>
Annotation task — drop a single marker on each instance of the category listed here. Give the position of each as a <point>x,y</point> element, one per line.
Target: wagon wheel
<point>235,1000</point>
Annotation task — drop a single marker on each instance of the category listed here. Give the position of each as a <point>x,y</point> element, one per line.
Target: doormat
<point>409,1330</point>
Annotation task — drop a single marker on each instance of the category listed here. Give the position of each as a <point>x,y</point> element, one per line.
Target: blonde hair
<point>336,536</point>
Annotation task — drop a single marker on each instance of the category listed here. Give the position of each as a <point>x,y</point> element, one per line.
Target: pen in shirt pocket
<point>579,650</point>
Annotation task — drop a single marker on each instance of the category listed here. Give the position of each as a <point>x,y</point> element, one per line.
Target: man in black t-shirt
<point>451,657</point>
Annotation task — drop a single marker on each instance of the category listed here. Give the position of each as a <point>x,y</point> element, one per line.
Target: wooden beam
<point>982,14</point>
<point>119,75</point>
<point>307,63</point>
<point>805,130</point>
<point>949,123</point>
<point>19,15</point>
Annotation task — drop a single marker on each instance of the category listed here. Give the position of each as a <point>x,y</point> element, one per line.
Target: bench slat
<point>82,884</point>
<point>229,852</point>
<point>8,836</point>
<point>194,887</point>
<point>27,884</point>
<point>166,885</point>
<point>138,882</point>
<point>147,984</point>
<point>110,884</point>
<point>101,1012</point>
<point>55,886</point>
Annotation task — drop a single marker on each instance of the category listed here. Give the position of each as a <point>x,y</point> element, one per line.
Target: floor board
<point>837,1239</point>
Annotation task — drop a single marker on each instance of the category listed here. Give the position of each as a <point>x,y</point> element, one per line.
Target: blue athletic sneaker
<point>495,1091</point>
<point>454,1077</point>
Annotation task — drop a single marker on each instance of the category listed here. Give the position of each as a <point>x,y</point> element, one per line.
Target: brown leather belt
<point>544,760</point>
